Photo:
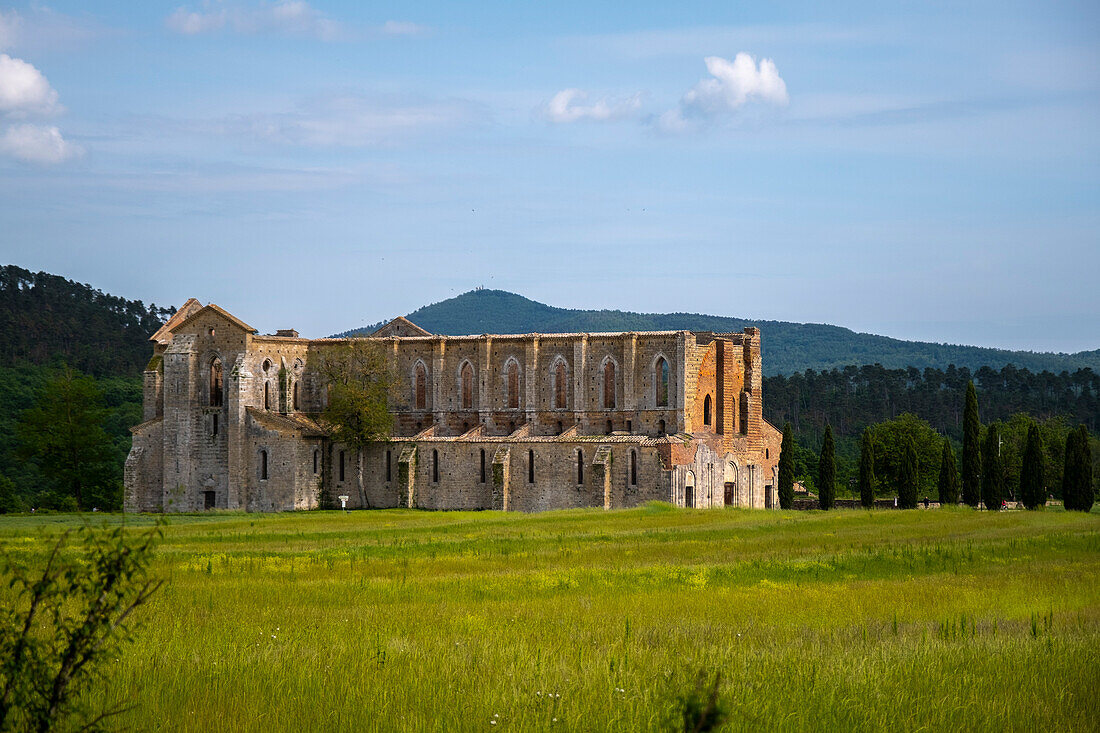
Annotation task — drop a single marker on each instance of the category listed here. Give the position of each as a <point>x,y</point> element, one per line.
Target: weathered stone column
<point>580,378</point>
<point>532,377</point>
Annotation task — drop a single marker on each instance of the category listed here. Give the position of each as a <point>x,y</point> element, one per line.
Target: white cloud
<point>349,120</point>
<point>24,90</point>
<point>37,144</point>
<point>9,26</point>
<point>403,28</point>
<point>292,17</point>
<point>731,86</point>
<point>573,105</point>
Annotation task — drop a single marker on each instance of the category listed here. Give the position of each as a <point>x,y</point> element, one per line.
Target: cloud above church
<point>731,86</point>
<point>283,17</point>
<point>575,105</point>
<point>26,94</point>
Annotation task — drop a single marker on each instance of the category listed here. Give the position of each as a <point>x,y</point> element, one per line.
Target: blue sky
<point>919,170</point>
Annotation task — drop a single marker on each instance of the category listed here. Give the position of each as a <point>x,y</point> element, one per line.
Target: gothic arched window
<point>559,386</point>
<point>217,385</point>
<point>660,372</point>
<point>420,387</point>
<point>706,410</point>
<point>609,385</point>
<point>467,386</point>
<point>511,380</point>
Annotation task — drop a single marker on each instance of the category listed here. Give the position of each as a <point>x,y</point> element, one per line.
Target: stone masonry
<point>508,422</point>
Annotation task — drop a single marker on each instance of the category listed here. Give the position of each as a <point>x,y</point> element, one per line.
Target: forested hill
<point>46,319</point>
<point>788,347</point>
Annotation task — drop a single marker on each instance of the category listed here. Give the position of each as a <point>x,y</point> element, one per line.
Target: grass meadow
<point>593,620</point>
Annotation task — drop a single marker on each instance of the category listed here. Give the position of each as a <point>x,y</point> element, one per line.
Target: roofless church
<point>514,422</point>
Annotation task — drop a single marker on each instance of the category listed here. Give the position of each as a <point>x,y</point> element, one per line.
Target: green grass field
<point>592,620</point>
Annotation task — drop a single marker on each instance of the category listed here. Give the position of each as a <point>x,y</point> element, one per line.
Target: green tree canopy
<point>972,458</point>
<point>993,481</point>
<point>1033,490</point>
<point>786,468</point>
<point>63,433</point>
<point>907,476</point>
<point>1078,492</point>
<point>826,472</point>
<point>891,438</point>
<point>948,484</point>
<point>867,470</point>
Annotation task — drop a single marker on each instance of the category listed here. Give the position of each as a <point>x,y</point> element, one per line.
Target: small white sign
<point>343,502</point>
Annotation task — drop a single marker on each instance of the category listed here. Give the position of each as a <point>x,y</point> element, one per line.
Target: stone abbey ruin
<point>511,422</point>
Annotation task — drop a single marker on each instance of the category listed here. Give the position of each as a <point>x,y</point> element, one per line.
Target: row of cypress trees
<point>982,468</point>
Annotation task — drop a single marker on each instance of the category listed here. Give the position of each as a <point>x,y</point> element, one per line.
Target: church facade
<point>509,422</point>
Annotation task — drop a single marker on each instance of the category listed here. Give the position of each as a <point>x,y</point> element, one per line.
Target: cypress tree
<point>949,476</point>
<point>786,468</point>
<point>826,471</point>
<point>1077,490</point>
<point>907,477</point>
<point>993,480</point>
<point>972,456</point>
<point>1033,492</point>
<point>866,471</point>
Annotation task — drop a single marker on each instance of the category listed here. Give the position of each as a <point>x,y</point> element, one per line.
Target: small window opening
<point>629,426</point>
<point>706,410</point>
<point>511,378</point>
<point>559,386</point>
<point>266,365</point>
<point>341,465</point>
<point>316,460</point>
<point>662,382</point>
<point>217,385</point>
<point>267,395</point>
<point>767,453</point>
<point>297,397</point>
<point>511,428</point>
<point>580,466</point>
<point>633,468</point>
<point>482,465</point>
<point>214,424</point>
<point>210,331</point>
<point>389,466</point>
<point>263,465</point>
<point>609,385</point>
<point>610,427</point>
<point>435,467</point>
<point>561,428</point>
<point>467,379</point>
<point>530,466</point>
<point>661,427</point>
<point>420,387</point>
<point>465,427</point>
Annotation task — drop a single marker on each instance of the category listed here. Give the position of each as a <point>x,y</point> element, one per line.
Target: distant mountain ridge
<point>788,347</point>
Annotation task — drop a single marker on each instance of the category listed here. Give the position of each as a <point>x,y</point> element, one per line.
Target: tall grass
<point>591,620</point>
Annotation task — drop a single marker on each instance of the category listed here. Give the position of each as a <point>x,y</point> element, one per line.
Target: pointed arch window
<point>580,466</point>
<point>559,386</point>
<point>511,381</point>
<point>217,385</point>
<point>466,380</point>
<point>420,387</point>
<point>609,385</point>
<point>267,395</point>
<point>706,410</point>
<point>661,373</point>
<point>297,397</point>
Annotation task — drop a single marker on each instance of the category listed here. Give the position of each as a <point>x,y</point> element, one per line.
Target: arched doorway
<point>729,483</point>
<point>689,490</point>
